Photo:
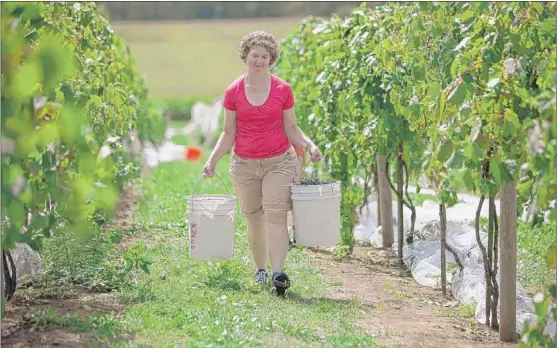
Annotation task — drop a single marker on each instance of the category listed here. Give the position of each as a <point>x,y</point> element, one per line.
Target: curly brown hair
<point>260,37</point>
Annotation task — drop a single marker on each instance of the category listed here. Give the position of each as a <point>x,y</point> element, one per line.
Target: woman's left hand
<point>315,154</point>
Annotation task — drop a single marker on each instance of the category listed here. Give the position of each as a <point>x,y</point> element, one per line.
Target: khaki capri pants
<point>264,184</point>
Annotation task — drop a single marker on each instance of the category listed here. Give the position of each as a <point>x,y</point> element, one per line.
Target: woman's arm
<point>293,132</point>
<point>226,139</point>
<point>296,136</point>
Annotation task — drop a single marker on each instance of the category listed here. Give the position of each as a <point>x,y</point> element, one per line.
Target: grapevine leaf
<point>500,171</point>
<point>445,151</point>
<point>548,28</point>
<point>473,152</point>
<point>508,129</point>
<point>458,95</point>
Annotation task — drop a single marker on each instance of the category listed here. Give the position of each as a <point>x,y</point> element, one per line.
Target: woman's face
<point>258,59</point>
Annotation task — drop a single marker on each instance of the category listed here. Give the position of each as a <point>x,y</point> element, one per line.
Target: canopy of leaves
<point>70,97</point>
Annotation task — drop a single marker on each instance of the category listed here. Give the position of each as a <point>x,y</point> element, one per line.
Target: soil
<point>18,330</point>
<point>399,311</point>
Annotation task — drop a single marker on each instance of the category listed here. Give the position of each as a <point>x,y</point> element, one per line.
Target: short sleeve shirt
<point>259,129</point>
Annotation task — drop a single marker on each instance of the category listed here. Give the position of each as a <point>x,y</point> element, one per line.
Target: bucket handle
<point>202,177</point>
<point>197,185</point>
<point>304,167</point>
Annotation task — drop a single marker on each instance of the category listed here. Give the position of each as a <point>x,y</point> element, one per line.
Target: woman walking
<point>260,123</point>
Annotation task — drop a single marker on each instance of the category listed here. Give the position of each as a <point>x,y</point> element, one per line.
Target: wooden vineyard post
<point>386,202</point>
<point>400,206</point>
<point>507,326</point>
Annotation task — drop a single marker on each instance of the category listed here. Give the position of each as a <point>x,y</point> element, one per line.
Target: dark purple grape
<point>315,182</point>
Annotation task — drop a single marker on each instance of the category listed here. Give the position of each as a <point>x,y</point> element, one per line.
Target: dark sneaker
<point>261,276</point>
<point>281,282</point>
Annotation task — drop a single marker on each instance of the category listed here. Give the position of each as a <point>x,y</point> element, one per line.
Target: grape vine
<point>71,99</point>
<point>463,93</point>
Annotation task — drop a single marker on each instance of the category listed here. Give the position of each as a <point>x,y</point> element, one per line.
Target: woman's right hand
<point>209,169</point>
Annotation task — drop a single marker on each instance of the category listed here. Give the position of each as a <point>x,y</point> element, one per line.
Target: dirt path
<point>400,312</point>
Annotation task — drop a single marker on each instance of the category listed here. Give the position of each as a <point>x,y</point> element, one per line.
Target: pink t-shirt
<point>259,129</point>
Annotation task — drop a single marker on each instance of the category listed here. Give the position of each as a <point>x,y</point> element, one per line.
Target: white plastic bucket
<point>316,212</point>
<point>211,223</point>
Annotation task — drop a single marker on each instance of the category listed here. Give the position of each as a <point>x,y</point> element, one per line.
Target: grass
<point>104,327</point>
<point>193,58</point>
<point>182,301</point>
<point>533,244</point>
<point>461,311</point>
<point>201,303</point>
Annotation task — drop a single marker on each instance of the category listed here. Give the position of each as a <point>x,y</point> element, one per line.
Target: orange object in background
<point>192,153</point>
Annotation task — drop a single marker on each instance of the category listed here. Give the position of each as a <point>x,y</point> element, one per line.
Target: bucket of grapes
<point>316,212</point>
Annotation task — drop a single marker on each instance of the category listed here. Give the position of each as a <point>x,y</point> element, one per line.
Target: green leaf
<point>548,28</point>
<point>27,78</point>
<point>508,129</point>
<point>458,94</point>
<point>419,73</point>
<point>144,267</point>
<point>56,62</point>
<point>442,100</point>
<point>553,287</point>
<point>448,198</point>
<point>500,171</point>
<point>337,55</point>
<point>512,118</point>
<point>457,180</point>
<point>116,238</point>
<point>16,212</point>
<point>26,197</point>
<point>542,307</point>
<point>31,11</point>
<point>469,180</point>
<point>446,151</point>
<point>482,6</point>
<point>96,100</point>
<point>466,15</point>
<point>473,152</point>
<point>70,125</point>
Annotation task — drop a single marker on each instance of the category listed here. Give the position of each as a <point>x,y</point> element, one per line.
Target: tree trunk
<point>495,286</point>
<point>507,328</point>
<point>400,206</point>
<point>488,283</point>
<point>386,202</point>
<point>443,220</point>
<point>376,184</point>
<point>483,250</point>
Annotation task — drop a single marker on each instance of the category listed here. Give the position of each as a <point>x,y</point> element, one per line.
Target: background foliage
<point>71,100</point>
